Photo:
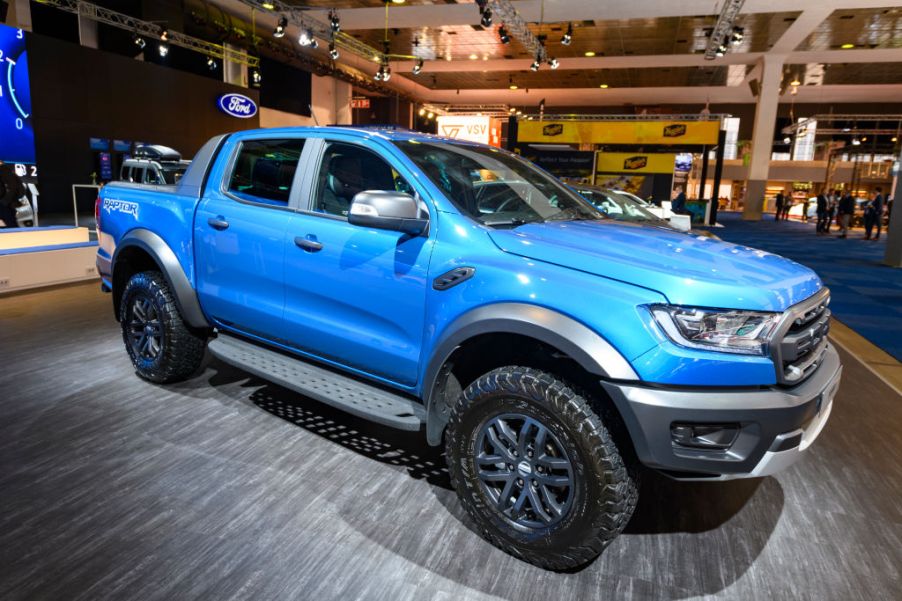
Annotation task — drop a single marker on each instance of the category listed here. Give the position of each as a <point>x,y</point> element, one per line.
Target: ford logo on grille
<point>237,105</point>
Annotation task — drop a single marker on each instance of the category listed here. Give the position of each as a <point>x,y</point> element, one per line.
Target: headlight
<point>724,330</point>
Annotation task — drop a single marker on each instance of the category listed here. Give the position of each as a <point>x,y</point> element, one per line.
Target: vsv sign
<point>237,105</point>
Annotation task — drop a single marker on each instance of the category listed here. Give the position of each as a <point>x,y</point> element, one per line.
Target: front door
<point>355,296</point>
<point>239,237</point>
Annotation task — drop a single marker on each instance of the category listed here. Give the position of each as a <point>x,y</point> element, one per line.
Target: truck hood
<point>688,270</point>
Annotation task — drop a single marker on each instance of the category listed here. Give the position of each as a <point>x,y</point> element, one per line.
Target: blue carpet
<point>867,295</point>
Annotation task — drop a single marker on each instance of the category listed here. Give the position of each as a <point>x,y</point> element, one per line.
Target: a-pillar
<point>763,135</point>
<point>893,255</point>
<point>18,14</point>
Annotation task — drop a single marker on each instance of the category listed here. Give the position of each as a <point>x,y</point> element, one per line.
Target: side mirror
<point>387,210</point>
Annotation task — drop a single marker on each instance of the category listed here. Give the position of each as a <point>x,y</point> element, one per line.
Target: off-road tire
<point>181,349</point>
<point>605,487</point>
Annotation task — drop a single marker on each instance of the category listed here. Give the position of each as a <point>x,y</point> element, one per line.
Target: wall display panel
<point>16,131</point>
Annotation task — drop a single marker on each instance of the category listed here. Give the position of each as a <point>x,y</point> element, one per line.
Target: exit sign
<point>360,103</point>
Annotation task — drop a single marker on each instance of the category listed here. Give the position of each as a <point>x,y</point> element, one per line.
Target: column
<point>763,135</point>
<point>18,14</point>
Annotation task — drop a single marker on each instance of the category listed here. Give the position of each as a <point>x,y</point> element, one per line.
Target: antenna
<point>313,114</point>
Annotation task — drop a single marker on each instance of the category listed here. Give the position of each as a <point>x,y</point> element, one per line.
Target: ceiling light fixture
<point>211,64</point>
<point>847,46</point>
<point>553,63</point>
<point>334,21</point>
<point>536,63</point>
<point>417,67</point>
<point>422,112</point>
<point>589,53</point>
<point>795,82</point>
<point>139,42</point>
<point>724,30</point>
<point>163,49</point>
<point>737,36</point>
<point>256,78</point>
<point>430,115</point>
<point>603,86</point>
<point>269,6</point>
<point>279,31</point>
<point>333,51</point>
<point>164,36</point>
<point>512,85</point>
<point>306,38</point>
<point>486,17</point>
<point>568,37</point>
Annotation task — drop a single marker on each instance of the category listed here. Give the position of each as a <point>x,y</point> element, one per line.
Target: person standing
<point>832,199</point>
<point>787,204</point>
<point>845,211</point>
<point>873,214</point>
<point>11,190</point>
<point>778,202</point>
<point>821,213</point>
<point>678,205</point>
<point>805,205</point>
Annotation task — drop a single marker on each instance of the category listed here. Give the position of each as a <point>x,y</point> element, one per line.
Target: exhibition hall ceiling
<point>641,51</point>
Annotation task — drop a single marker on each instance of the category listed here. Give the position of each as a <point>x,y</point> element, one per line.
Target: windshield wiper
<point>574,214</point>
<point>510,221</point>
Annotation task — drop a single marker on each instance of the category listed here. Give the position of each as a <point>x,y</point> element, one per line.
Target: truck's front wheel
<point>160,344</point>
<point>537,469</point>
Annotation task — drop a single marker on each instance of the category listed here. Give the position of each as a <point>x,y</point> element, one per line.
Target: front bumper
<point>776,426</point>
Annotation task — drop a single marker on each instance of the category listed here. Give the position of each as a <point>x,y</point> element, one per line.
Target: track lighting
<point>721,50</point>
<point>306,38</point>
<point>487,17</point>
<point>333,51</point>
<point>334,21</point>
<point>139,42</point>
<point>568,37</point>
<point>504,35</point>
<point>256,78</point>
<point>211,64</point>
<point>163,49</point>
<point>553,63</point>
<point>383,74</point>
<point>418,67</point>
<point>536,63</point>
<point>279,31</point>
<point>737,36</point>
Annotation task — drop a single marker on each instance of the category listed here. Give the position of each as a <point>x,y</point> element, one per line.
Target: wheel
<point>537,469</point>
<point>160,344</point>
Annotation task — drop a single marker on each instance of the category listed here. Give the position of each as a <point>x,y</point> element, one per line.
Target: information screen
<point>16,132</point>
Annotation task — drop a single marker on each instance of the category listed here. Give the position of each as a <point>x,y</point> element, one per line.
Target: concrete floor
<point>226,487</point>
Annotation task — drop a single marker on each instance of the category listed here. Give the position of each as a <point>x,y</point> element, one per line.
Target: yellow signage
<point>618,132</point>
<point>633,162</point>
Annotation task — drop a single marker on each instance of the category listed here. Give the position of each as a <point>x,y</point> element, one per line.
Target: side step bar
<point>341,392</point>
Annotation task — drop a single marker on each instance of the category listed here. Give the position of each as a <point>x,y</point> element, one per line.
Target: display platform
<point>43,256</point>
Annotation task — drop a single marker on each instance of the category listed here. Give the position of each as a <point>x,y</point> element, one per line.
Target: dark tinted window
<point>347,170</point>
<point>264,170</point>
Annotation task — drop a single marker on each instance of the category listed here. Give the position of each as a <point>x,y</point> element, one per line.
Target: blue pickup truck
<point>433,284</point>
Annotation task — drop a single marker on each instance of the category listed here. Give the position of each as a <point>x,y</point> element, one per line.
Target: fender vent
<point>453,277</point>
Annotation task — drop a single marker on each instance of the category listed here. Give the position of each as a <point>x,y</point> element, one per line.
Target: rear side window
<point>264,170</point>
<point>137,175</point>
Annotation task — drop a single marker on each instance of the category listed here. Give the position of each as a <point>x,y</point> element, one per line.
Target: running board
<point>339,391</point>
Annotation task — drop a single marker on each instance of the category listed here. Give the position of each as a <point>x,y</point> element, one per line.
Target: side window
<point>264,170</point>
<point>150,176</point>
<point>347,170</point>
<point>138,175</point>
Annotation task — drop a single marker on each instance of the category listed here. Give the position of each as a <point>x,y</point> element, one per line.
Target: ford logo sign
<point>237,105</point>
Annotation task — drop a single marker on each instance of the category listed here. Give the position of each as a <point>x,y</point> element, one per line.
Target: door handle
<point>308,245</point>
<point>218,223</point>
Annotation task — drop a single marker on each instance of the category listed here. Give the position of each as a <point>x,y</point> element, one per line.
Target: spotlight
<point>314,44</point>
<point>422,112</point>
<point>269,6</point>
<point>139,42</point>
<point>487,17</point>
<point>721,50</point>
<point>164,36</point>
<point>306,38</point>
<point>511,110</point>
<point>568,37</point>
<point>334,21</point>
<point>737,36</point>
<point>553,63</point>
<point>256,78</point>
<point>211,63</point>
<point>535,64</point>
<point>430,115</point>
<point>279,31</point>
<point>787,140</point>
<point>333,52</point>
<point>386,74</point>
<point>856,142</point>
<point>163,49</point>
<point>418,67</point>
<point>379,74</point>
<point>505,37</point>
<point>512,85</point>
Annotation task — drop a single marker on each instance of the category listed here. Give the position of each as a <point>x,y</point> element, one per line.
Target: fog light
<point>704,436</point>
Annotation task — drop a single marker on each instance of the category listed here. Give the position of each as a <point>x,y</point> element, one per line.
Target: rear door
<point>355,295</point>
<point>240,233</point>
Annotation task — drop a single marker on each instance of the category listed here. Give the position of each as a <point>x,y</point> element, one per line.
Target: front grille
<point>801,339</point>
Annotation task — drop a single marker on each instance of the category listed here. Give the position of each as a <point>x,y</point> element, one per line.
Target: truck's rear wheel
<point>160,344</point>
<point>537,469</point>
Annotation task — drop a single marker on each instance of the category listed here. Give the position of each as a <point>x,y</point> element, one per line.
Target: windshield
<point>617,205</point>
<point>494,187</point>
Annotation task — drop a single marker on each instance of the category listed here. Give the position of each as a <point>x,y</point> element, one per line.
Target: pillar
<point>893,255</point>
<point>18,14</point>
<point>763,135</point>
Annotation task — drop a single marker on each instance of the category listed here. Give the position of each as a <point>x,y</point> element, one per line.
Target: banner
<point>619,132</point>
<point>466,127</point>
<point>633,162</point>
